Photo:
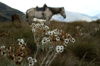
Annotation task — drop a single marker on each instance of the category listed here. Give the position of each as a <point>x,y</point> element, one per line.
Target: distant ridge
<point>74,16</point>
<point>6,12</point>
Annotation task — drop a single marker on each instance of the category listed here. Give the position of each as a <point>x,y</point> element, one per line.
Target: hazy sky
<point>89,7</point>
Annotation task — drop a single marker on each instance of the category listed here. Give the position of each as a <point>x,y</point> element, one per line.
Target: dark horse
<point>45,13</point>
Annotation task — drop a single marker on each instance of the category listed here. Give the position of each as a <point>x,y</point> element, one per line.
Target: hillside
<point>6,12</point>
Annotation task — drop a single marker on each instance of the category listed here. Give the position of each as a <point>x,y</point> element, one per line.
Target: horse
<point>15,18</point>
<point>44,14</point>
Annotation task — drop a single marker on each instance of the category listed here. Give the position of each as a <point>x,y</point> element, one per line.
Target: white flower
<point>55,30</point>
<point>96,29</point>
<point>22,47</point>
<point>42,24</point>
<point>37,25</point>
<point>31,63</point>
<point>19,58</point>
<point>29,58</point>
<point>57,38</point>
<point>64,44</point>
<point>45,40</point>
<point>56,33</point>
<point>21,41</point>
<point>66,41</point>
<point>32,24</point>
<point>33,30</point>
<point>3,53</point>
<point>59,49</point>
<point>68,35</point>
<point>34,60</point>
<point>73,40</point>
<point>81,34</point>
<point>45,27</point>
<point>50,33</point>
<point>77,27</point>
<point>2,47</point>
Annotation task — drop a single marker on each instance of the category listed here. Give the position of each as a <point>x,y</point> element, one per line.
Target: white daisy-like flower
<point>68,35</point>
<point>29,58</point>
<point>19,58</point>
<point>37,25</point>
<point>57,38</point>
<point>55,33</point>
<point>63,36</point>
<point>42,24</point>
<point>33,30</point>
<point>31,63</point>
<point>61,49</point>
<point>35,60</point>
<point>22,54</point>
<point>21,41</point>
<point>33,27</point>
<point>81,34</point>
<point>55,30</point>
<point>65,44</point>
<point>45,40</point>
<point>45,27</point>
<point>73,40</point>
<point>48,39</point>
<point>77,27</point>
<point>22,47</point>
<point>50,33</point>
<point>66,41</point>
<point>46,33</point>
<point>3,53</point>
<point>96,29</point>
<point>33,24</point>
<point>25,44</point>
<point>2,47</point>
<point>58,48</point>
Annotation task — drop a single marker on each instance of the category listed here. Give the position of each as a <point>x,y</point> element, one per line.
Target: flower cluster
<point>57,37</point>
<point>31,61</point>
<point>80,31</point>
<point>16,52</point>
<point>2,50</point>
<point>59,48</point>
<point>39,26</point>
<point>96,29</point>
<point>53,41</point>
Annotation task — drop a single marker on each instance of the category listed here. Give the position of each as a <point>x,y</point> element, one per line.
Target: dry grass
<point>84,52</point>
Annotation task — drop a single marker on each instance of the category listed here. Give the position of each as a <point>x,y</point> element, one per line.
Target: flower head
<point>59,49</point>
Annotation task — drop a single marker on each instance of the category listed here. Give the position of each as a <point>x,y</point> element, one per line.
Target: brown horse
<point>15,18</point>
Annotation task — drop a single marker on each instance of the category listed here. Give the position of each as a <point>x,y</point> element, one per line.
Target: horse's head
<point>63,12</point>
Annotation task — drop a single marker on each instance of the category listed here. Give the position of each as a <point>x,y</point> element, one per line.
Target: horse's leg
<point>47,21</point>
<point>30,20</point>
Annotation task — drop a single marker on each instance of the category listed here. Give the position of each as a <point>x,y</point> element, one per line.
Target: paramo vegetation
<point>59,44</point>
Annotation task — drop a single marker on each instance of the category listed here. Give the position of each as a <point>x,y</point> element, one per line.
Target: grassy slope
<point>84,52</point>
<point>6,12</point>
